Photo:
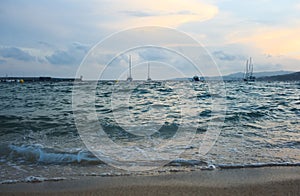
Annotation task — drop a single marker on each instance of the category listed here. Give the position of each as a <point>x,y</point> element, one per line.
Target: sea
<point>51,131</point>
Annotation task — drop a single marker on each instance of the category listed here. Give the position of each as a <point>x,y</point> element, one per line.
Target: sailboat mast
<point>148,72</point>
<point>247,69</point>
<point>250,67</point>
<point>248,76</point>
<point>129,66</point>
<point>129,78</point>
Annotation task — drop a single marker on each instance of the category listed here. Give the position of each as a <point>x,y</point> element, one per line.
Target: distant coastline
<point>261,76</point>
<point>38,79</point>
<point>286,77</point>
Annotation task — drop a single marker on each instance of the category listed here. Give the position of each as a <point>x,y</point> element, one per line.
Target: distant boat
<point>248,75</point>
<point>149,79</point>
<point>196,78</point>
<point>129,78</point>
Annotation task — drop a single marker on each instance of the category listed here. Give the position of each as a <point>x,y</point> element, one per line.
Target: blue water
<point>39,133</point>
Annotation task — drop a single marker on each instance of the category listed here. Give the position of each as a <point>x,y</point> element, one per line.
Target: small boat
<point>196,79</point>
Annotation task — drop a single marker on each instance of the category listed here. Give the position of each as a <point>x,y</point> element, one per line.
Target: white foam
<point>9,181</point>
<point>35,179</point>
<point>37,153</point>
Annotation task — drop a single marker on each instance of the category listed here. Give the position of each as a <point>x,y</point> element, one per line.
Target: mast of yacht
<point>129,78</point>
<point>247,70</point>
<point>148,79</point>
<point>250,68</point>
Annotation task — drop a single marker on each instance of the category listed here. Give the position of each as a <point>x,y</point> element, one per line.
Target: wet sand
<point>248,181</point>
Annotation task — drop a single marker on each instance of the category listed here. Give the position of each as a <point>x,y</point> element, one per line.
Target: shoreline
<point>237,181</point>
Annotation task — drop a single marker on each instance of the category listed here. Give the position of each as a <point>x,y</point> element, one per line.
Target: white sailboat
<point>129,78</point>
<point>149,79</point>
<point>248,76</point>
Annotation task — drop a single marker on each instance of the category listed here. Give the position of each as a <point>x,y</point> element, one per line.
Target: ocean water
<point>54,131</point>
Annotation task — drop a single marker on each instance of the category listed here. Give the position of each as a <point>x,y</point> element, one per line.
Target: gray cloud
<point>138,13</point>
<point>61,57</point>
<point>72,56</point>
<point>153,54</point>
<point>16,53</point>
<point>2,61</point>
<point>227,57</point>
<point>80,46</point>
<point>45,44</point>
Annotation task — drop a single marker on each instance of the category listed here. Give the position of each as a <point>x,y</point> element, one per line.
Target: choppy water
<point>39,137</point>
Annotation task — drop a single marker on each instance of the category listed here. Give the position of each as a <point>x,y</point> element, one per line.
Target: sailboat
<point>129,78</point>
<point>248,76</point>
<point>149,79</point>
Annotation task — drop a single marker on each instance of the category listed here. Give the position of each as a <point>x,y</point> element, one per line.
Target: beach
<point>239,181</point>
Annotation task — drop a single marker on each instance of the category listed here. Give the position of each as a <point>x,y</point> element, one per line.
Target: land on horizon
<point>260,76</point>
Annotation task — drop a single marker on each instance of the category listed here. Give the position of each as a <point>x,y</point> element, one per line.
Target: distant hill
<point>240,75</point>
<point>286,77</point>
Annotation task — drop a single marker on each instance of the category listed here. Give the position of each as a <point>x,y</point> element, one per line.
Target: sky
<point>52,38</point>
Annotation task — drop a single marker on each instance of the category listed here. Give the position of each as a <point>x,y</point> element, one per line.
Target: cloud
<point>235,34</point>
<point>185,12</point>
<point>61,58</point>
<point>139,13</point>
<point>226,57</point>
<point>153,54</point>
<point>16,53</point>
<point>155,13</point>
<point>45,44</point>
<point>275,41</point>
<point>81,47</point>
<point>233,29</point>
<point>2,61</point>
<point>72,56</point>
<point>171,13</point>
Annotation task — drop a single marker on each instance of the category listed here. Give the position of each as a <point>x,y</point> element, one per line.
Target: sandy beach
<point>245,181</point>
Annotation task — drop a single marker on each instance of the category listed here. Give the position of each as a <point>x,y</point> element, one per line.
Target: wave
<point>256,165</point>
<point>39,154</point>
<point>185,162</point>
<point>32,179</point>
<point>202,165</point>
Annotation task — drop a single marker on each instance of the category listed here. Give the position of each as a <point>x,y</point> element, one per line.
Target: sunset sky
<point>51,38</point>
